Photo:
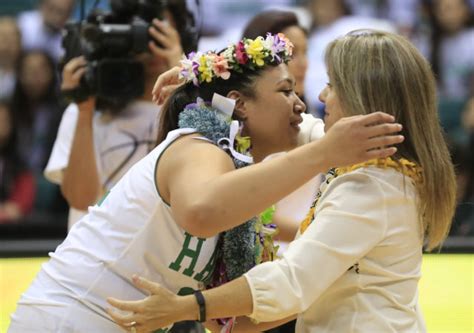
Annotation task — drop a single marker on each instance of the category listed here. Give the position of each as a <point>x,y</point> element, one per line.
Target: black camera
<point>109,41</point>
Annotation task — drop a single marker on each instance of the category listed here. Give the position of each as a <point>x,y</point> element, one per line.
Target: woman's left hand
<point>153,312</point>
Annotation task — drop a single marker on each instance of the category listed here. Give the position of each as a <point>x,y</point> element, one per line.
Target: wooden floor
<point>446,290</point>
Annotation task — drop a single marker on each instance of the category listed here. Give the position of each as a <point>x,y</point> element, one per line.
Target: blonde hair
<point>378,71</point>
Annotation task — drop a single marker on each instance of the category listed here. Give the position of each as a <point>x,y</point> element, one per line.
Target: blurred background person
<point>37,112</point>
<point>10,49</point>
<point>286,22</point>
<point>451,53</point>
<point>331,19</point>
<point>17,185</point>
<point>41,28</point>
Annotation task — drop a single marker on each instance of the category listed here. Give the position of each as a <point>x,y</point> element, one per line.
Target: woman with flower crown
<point>356,262</point>
<point>162,220</point>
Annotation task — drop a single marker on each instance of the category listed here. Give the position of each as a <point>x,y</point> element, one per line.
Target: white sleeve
<point>59,158</point>
<point>311,129</point>
<point>350,220</point>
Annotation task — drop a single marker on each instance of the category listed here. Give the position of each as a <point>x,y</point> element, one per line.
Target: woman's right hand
<point>360,138</point>
<point>73,72</point>
<point>166,84</point>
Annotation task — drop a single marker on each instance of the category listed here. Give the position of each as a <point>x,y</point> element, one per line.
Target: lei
<point>248,244</point>
<point>248,53</point>
<point>402,165</point>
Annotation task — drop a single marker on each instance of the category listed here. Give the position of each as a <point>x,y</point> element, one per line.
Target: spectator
<point>36,108</point>
<point>17,186</point>
<point>331,19</point>
<point>275,21</point>
<point>41,28</point>
<point>37,113</point>
<point>10,49</point>
<point>452,37</point>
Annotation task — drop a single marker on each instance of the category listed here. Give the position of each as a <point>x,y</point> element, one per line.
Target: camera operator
<point>98,141</point>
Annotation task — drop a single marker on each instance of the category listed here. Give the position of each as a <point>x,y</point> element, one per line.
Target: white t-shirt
<point>457,64</point>
<point>356,267</point>
<point>295,206</point>
<point>119,143</point>
<point>130,231</point>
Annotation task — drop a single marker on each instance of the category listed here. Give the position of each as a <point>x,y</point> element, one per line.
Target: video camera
<point>109,42</point>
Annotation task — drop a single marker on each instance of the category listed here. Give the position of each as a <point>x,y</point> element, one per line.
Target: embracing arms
<point>208,196</point>
<point>347,227</point>
<point>160,309</point>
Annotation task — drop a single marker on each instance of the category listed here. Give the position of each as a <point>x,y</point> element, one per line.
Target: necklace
<point>402,165</point>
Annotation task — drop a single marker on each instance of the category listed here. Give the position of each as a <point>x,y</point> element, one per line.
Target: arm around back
<point>208,196</point>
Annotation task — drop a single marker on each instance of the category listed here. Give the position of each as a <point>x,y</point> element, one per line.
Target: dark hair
<point>438,34</point>
<point>273,21</point>
<point>185,24</point>
<point>20,101</point>
<point>13,165</point>
<point>10,145</point>
<point>188,93</point>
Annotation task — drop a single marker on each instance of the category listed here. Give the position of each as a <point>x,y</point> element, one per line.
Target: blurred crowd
<point>31,106</point>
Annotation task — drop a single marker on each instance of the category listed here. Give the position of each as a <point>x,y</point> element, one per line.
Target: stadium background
<point>446,288</point>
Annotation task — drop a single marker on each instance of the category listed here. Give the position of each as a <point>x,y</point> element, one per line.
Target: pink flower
<point>240,53</point>
<point>220,67</point>
<point>289,45</point>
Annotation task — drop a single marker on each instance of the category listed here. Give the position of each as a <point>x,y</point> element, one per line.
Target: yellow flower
<point>243,143</point>
<point>255,50</point>
<point>204,69</point>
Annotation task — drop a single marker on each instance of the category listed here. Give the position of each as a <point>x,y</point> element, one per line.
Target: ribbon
<point>228,143</point>
<point>226,106</point>
<point>223,104</point>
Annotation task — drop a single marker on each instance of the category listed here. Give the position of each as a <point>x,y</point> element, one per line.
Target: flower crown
<point>248,53</point>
